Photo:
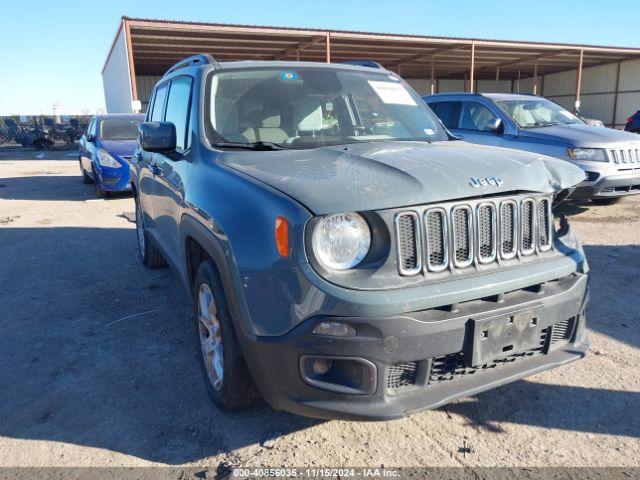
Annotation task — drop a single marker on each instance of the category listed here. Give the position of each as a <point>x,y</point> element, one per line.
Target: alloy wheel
<point>210,336</point>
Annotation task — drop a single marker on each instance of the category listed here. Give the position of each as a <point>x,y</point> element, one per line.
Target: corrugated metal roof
<point>157,44</point>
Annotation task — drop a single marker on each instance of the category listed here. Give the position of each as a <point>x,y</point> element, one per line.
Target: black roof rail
<point>364,63</point>
<point>199,59</point>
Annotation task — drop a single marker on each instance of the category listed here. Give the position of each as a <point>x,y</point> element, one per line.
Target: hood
<point>120,147</point>
<point>581,135</point>
<point>375,176</point>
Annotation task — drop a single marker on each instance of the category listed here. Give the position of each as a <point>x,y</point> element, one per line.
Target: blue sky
<point>54,50</point>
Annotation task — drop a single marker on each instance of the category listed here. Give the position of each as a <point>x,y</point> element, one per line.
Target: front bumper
<point>613,180</point>
<point>429,346</point>
<point>610,186</point>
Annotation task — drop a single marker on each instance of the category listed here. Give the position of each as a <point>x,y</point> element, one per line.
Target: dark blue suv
<point>345,257</point>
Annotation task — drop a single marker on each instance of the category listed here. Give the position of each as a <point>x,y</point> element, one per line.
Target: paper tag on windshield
<point>394,93</point>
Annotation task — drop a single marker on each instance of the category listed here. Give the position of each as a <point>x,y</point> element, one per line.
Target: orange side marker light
<point>282,236</point>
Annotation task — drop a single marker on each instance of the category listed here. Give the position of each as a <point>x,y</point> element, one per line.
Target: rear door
<point>448,113</point>
<point>172,169</point>
<point>145,161</point>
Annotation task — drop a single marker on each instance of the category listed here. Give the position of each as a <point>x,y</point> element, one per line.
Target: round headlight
<point>341,241</point>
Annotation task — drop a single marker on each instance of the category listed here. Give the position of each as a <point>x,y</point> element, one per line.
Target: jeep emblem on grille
<point>477,182</point>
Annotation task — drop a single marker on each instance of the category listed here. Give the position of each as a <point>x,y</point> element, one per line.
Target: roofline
<point>240,28</point>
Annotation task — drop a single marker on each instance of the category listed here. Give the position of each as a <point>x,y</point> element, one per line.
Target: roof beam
<point>426,56</point>
<point>292,51</point>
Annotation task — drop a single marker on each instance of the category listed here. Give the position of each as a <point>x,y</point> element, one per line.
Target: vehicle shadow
<point>50,185</point>
<point>613,308</point>
<point>101,352</point>
<point>578,409</point>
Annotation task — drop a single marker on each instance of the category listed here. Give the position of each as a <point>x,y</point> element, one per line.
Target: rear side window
<point>178,110</point>
<point>158,103</point>
<point>447,112</point>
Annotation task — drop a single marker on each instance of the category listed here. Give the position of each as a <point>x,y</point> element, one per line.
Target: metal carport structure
<point>143,49</point>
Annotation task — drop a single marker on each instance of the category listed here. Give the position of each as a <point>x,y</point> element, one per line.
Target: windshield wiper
<point>263,146</point>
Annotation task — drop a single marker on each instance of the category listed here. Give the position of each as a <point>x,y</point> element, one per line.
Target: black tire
<point>236,389</point>
<point>150,255</point>
<point>606,201</point>
<point>86,178</point>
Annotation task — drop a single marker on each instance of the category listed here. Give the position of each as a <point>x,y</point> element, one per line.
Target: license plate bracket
<point>498,337</point>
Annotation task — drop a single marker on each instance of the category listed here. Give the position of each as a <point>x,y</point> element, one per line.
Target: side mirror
<point>496,126</point>
<point>157,137</point>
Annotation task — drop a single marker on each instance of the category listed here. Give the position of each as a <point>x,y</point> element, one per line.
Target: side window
<point>158,102</point>
<point>447,112</point>
<point>476,116</point>
<point>178,110</point>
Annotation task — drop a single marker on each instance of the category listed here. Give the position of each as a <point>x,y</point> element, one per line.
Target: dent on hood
<point>564,174</point>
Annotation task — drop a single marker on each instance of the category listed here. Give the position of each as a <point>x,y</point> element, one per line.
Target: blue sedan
<point>105,150</point>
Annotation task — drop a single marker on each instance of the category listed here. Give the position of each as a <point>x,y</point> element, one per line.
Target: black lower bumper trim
<point>421,359</point>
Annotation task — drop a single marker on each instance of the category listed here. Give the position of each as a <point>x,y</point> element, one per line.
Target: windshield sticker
<point>393,93</point>
<point>429,131</point>
<point>289,75</point>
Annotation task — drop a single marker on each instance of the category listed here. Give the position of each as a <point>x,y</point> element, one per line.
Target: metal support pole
<point>473,61</point>
<point>297,54</point>
<point>615,97</point>
<point>432,85</point>
<point>328,47</point>
<point>578,82</point>
<point>535,77</point>
<point>498,78</point>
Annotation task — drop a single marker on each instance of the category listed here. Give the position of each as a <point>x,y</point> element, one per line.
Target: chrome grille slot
<point>508,229</point>
<point>486,228</point>
<point>435,221</point>
<point>462,230</point>
<point>630,155</point>
<point>544,224</point>
<point>527,226</point>
<point>408,243</point>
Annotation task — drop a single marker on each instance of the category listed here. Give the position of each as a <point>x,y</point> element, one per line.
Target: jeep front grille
<point>459,235</point>
<point>624,155</point>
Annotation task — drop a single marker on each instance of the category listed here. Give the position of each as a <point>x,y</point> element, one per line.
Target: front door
<point>478,124</point>
<point>171,169</point>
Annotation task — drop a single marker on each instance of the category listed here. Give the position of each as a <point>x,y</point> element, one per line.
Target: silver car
<point>610,158</point>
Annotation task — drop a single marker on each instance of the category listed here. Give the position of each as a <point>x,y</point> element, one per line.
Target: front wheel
<point>226,375</point>
<point>149,253</point>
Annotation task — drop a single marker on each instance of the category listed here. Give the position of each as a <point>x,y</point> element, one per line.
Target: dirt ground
<point>100,368</point>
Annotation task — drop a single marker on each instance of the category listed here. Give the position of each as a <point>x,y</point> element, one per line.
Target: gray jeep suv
<point>345,256</point>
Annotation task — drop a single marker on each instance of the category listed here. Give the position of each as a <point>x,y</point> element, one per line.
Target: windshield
<point>310,107</point>
<point>119,128</point>
<point>538,112</point>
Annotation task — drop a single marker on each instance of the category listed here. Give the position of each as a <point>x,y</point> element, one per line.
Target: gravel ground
<point>99,362</point>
